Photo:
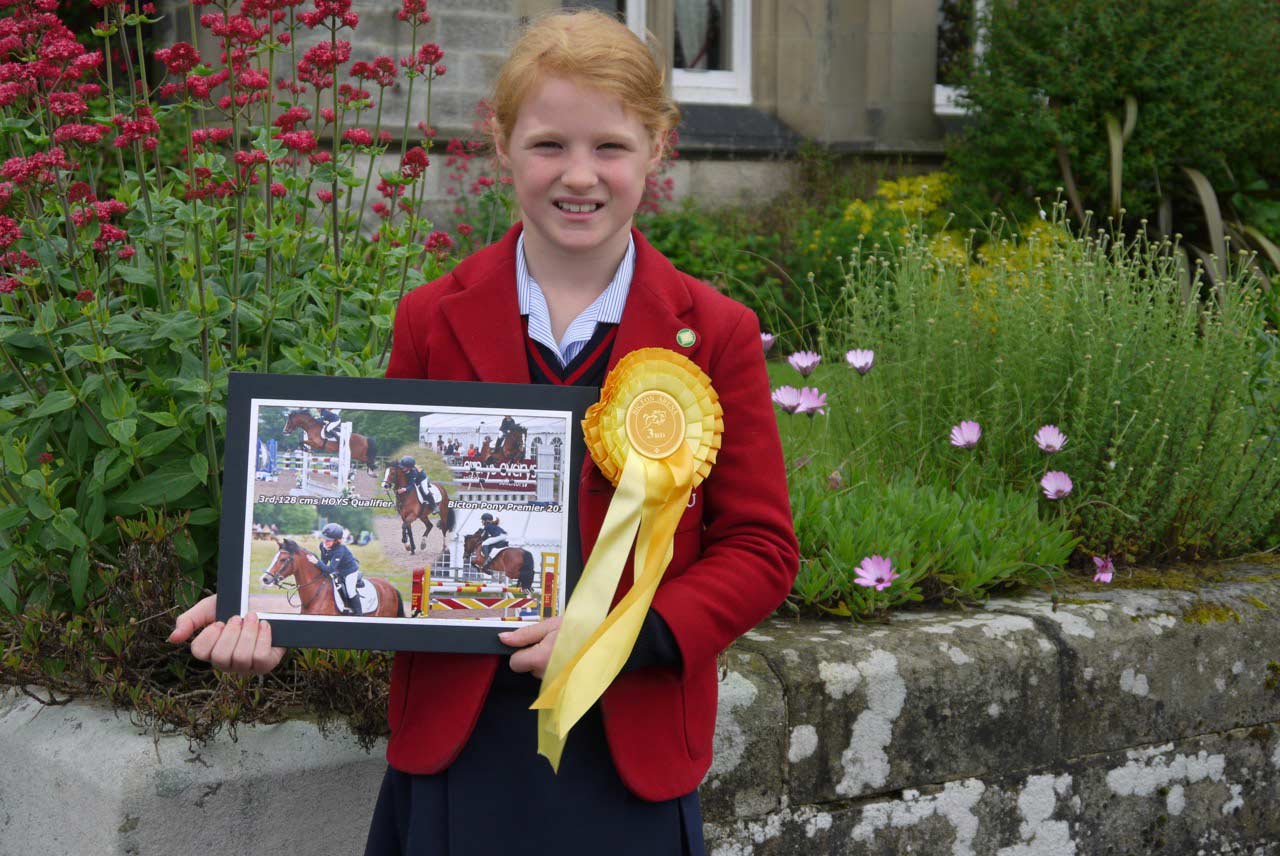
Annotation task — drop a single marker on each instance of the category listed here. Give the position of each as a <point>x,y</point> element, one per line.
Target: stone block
<point>80,780</point>
<point>1210,794</point>
<point>460,31</point>
<point>746,776</point>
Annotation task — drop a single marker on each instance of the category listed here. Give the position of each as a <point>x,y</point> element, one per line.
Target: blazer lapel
<point>484,316</point>
<point>655,305</point>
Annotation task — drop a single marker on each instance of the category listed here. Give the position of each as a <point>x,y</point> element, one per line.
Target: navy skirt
<point>501,797</point>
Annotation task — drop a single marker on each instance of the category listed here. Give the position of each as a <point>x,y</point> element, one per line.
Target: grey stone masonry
<point>1115,722</point>
<point>474,34</point>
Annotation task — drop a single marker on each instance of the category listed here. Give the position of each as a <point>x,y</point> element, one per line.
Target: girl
<point>581,118</point>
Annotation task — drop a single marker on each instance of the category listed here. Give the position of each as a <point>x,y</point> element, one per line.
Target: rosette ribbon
<point>654,434</point>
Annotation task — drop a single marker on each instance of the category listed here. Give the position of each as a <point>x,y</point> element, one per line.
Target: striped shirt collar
<point>605,309</point>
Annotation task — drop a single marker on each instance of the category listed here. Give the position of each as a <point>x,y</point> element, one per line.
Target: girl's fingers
<point>530,634</point>
<point>198,616</point>
<point>202,646</point>
<point>265,657</point>
<point>242,656</point>
<point>225,647</point>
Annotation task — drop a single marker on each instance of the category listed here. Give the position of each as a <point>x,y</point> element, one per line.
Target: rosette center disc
<point>655,424</point>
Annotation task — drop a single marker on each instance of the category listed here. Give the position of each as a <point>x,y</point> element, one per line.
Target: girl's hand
<point>535,643</point>
<point>239,645</point>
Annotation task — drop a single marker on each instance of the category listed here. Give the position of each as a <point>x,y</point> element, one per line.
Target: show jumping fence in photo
<point>310,465</point>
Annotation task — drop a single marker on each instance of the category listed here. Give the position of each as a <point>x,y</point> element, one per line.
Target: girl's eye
<point>544,144</point>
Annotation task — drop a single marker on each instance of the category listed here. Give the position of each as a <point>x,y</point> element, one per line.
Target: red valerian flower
<point>299,141</point>
<point>325,196</point>
<point>358,136</point>
<point>180,58</point>
<point>427,56</point>
<point>465,229</point>
<point>381,209</point>
<point>84,295</point>
<point>84,135</point>
<point>64,104</point>
<point>46,457</point>
<point>10,232</point>
<point>35,168</point>
<point>126,252</point>
<point>8,285</point>
<point>252,157</point>
<point>278,190</point>
<point>109,234</point>
<point>384,137</point>
<point>141,129</point>
<point>381,71</point>
<point>416,9</point>
<point>438,243</point>
<point>291,118</point>
<point>414,163</point>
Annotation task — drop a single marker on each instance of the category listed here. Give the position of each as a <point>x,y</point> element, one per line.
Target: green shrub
<point>1171,409</point>
<point>1202,75</point>
<point>946,545</point>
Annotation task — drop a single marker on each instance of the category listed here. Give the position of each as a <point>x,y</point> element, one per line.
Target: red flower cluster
<point>84,295</point>
<point>415,9</point>
<point>10,232</point>
<point>438,242</point>
<point>8,285</point>
<point>84,135</point>
<point>179,59</point>
<point>337,10</point>
<point>46,458</point>
<point>414,163</point>
<point>141,129</point>
<point>358,136</point>
<point>202,137</point>
<point>428,55</point>
<point>291,118</point>
<point>382,71</point>
<point>38,168</point>
<point>299,141</point>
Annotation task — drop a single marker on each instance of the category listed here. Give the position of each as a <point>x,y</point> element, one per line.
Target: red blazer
<point>735,554</point>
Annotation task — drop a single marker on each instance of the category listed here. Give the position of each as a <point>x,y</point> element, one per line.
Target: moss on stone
<point>1272,681</point>
<point>1206,612</point>
<point>1257,603</point>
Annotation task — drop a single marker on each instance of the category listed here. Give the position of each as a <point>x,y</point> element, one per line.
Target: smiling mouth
<point>587,208</point>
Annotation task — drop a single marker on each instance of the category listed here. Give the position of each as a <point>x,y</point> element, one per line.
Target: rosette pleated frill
<point>654,434</point>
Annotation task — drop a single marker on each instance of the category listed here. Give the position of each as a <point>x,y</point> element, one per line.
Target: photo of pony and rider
<point>360,513</point>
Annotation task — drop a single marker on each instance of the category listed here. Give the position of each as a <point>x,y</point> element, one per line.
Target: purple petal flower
<point>766,339</point>
<point>1050,439</point>
<point>1056,484</point>
<point>812,402</point>
<point>1105,568</point>
<point>804,362</point>
<point>966,434</point>
<point>861,360</point>
<point>787,397</point>
<point>875,571</point>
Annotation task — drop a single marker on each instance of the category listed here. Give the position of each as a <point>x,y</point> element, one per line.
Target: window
<point>958,43</point>
<point>711,47</point>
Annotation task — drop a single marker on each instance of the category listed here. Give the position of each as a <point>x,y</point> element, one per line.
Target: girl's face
<point>579,161</point>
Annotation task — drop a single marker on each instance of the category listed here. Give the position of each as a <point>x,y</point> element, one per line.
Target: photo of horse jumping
<point>363,448</point>
<point>514,563</point>
<point>412,509</point>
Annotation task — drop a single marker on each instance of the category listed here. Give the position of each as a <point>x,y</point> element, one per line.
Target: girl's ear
<point>659,149</point>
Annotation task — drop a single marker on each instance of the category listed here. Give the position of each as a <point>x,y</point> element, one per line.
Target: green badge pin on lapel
<point>686,337</point>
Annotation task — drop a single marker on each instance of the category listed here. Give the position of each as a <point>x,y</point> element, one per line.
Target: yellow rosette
<point>654,433</point>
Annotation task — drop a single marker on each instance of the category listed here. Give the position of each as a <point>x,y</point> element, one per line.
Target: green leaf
<point>164,485</point>
<point>64,524</point>
<point>55,402</point>
<point>161,417</point>
<point>200,467</point>
<point>12,516</point>
<point>8,583</point>
<point>14,462</point>
<point>34,479</point>
<point>202,516</point>
<point>78,570</point>
<point>123,430</point>
<point>39,506</point>
<point>157,441</point>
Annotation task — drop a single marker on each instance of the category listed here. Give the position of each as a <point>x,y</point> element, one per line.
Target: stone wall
<point>1121,722</point>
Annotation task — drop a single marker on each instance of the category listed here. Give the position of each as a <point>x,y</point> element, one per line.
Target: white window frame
<point>709,87</point>
<point>946,99</point>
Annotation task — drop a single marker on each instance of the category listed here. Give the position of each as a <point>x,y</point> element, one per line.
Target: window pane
<point>704,35</point>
